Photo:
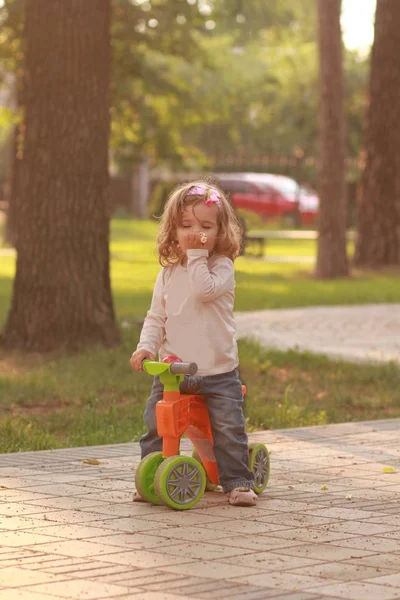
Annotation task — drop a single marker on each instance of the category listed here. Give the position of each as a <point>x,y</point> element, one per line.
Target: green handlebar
<point>171,374</point>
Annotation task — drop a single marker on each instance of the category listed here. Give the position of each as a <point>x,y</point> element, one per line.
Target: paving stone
<point>19,510</point>
<point>361,528</point>
<point>76,523</point>
<point>24,538</point>
<point>299,596</point>
<point>343,571</point>
<point>132,540</point>
<point>15,577</point>
<point>394,535</point>
<point>109,484</point>
<point>370,543</point>
<point>61,489</point>
<point>359,591</point>
<point>67,502</point>
<point>269,561</point>
<point>15,553</point>
<point>313,534</point>
<point>73,532</point>
<point>50,563</point>
<point>13,523</point>
<point>285,581</point>
<point>76,589</point>
<point>233,591</point>
<point>21,594</point>
<point>144,558</point>
<point>217,570</point>
<point>200,550</point>
<point>380,561</point>
<point>155,596</point>
<point>108,510</point>
<point>144,577</point>
<point>78,548</point>
<point>326,552</point>
<point>125,524</point>
<point>87,570</point>
<point>233,527</point>
<point>392,580</point>
<point>182,518</point>
<point>72,516</point>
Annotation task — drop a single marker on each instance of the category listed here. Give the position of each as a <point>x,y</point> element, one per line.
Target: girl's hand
<point>138,357</point>
<point>194,241</point>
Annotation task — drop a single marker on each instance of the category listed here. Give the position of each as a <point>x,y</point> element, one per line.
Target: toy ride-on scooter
<point>180,481</point>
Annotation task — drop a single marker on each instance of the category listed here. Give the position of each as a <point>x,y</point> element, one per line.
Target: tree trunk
<point>331,257</point>
<point>378,235</point>
<point>62,295</point>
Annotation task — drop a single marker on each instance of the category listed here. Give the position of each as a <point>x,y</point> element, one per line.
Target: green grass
<point>94,398</point>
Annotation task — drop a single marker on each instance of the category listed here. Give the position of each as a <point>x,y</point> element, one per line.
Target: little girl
<point>191,316</point>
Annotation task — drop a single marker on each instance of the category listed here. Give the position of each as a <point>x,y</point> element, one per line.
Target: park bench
<point>261,237</point>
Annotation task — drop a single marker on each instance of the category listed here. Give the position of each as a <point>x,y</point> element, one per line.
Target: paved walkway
<point>328,525</point>
<point>369,332</point>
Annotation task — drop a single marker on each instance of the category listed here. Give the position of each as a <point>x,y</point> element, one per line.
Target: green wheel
<point>180,482</point>
<point>210,487</point>
<point>259,463</point>
<point>145,474</point>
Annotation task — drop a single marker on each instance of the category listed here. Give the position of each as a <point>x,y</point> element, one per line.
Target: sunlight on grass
<point>260,285</point>
<point>94,397</point>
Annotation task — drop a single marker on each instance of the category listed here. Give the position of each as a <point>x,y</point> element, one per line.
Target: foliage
<point>11,57</point>
<point>356,70</point>
<point>154,47</point>
<point>159,196</point>
<point>11,35</point>
<point>193,80</point>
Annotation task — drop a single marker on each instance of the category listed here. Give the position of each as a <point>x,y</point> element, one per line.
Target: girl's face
<point>198,218</point>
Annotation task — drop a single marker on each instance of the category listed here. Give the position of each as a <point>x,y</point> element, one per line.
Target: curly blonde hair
<point>229,230</point>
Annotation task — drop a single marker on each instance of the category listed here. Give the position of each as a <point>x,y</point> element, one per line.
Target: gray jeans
<point>225,405</point>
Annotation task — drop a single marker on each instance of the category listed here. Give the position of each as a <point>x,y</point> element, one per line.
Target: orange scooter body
<point>178,414</point>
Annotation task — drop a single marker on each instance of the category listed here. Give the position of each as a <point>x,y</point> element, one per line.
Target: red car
<point>271,196</point>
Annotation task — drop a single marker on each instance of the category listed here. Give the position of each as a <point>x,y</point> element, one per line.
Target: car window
<point>245,187</point>
<point>238,187</point>
<point>267,189</point>
<point>227,186</point>
<point>287,187</point>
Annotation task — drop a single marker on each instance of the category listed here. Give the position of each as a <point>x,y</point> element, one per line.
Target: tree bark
<point>331,255</point>
<point>62,294</point>
<point>378,234</point>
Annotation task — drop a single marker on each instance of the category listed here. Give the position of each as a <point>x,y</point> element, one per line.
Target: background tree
<point>331,254</point>
<point>11,76</point>
<point>378,235</point>
<point>61,295</point>
<point>183,93</point>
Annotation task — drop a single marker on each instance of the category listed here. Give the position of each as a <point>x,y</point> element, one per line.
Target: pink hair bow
<point>211,194</point>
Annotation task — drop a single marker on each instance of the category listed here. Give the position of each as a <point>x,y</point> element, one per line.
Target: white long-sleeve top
<point>191,314</point>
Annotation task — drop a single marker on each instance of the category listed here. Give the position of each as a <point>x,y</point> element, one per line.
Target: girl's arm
<point>153,330</point>
<point>209,283</point>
